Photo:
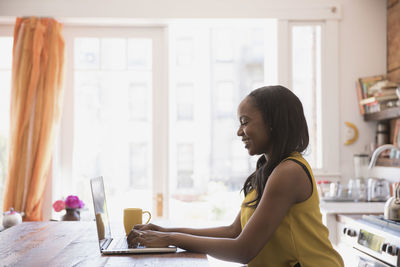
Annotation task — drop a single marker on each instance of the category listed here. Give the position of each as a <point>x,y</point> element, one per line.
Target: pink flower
<point>72,202</point>
<point>58,205</point>
<point>81,204</point>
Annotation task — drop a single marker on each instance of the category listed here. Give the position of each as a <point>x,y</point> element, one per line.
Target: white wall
<point>362,53</point>
<point>362,35</point>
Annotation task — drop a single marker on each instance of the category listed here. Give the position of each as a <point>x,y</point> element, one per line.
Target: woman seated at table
<point>279,223</point>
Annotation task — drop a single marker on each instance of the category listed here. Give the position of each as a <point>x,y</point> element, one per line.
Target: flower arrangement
<point>71,202</point>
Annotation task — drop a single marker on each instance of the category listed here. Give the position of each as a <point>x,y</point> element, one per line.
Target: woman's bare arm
<point>284,188</point>
<point>230,231</point>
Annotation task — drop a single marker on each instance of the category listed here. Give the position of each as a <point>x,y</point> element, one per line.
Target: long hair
<point>283,113</point>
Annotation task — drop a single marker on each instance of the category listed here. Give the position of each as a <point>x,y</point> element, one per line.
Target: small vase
<point>71,215</point>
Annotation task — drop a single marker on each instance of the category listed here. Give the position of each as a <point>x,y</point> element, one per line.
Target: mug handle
<point>149,216</point>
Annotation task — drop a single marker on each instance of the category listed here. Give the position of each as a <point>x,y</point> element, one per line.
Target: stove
<point>382,222</point>
<point>375,239</point>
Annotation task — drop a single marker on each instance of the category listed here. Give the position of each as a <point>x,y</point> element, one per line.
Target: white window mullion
<point>330,98</point>
<point>160,124</point>
<point>284,53</point>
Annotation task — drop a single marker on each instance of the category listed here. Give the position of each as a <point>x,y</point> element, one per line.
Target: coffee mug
<point>133,216</point>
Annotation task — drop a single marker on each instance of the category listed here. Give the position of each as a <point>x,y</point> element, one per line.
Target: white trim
<point>5,31</point>
<point>330,97</point>
<point>284,53</point>
<point>329,85</point>
<point>173,9</point>
<point>160,120</point>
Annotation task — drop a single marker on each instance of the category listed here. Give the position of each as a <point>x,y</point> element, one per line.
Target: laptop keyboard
<point>122,243</point>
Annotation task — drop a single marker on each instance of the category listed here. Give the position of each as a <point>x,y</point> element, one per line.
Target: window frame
<point>329,86</point>
<point>6,30</point>
<point>63,154</point>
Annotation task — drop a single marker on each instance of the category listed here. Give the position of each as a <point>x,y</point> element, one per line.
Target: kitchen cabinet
<point>330,210</point>
<point>387,114</point>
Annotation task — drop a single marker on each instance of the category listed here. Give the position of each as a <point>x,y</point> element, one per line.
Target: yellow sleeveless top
<point>301,238</point>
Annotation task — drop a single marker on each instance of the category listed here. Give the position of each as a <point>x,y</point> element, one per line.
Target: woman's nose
<point>239,131</point>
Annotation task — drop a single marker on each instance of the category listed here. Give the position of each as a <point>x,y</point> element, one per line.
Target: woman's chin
<point>251,153</point>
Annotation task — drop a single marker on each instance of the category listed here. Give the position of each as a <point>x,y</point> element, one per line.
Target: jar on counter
<point>360,162</point>
<point>323,187</point>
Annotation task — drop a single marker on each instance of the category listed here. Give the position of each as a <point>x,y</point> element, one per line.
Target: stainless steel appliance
<point>378,189</point>
<point>374,240</point>
<point>392,206</point>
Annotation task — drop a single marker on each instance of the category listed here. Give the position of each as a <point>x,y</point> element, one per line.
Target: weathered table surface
<point>75,244</point>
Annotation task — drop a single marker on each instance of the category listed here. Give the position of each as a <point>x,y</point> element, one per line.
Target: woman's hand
<point>148,238</point>
<point>149,226</point>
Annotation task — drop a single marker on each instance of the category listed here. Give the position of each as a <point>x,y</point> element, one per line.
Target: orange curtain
<point>36,102</point>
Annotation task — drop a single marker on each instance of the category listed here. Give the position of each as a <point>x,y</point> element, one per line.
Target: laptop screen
<point>100,210</point>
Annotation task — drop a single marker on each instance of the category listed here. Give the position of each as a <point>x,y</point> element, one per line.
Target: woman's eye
<point>244,123</point>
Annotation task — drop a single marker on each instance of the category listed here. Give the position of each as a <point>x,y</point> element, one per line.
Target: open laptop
<point>108,244</point>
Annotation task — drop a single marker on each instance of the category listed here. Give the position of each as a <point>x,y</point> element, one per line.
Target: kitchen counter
<point>351,207</point>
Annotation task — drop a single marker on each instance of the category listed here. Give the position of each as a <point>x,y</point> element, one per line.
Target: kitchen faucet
<point>378,151</point>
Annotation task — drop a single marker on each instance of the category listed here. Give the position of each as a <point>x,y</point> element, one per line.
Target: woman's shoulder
<point>290,168</point>
<point>287,168</point>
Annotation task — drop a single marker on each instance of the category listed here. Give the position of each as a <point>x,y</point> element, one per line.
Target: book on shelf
<point>375,94</point>
<point>362,86</point>
<point>360,96</point>
<point>377,106</point>
<point>378,98</point>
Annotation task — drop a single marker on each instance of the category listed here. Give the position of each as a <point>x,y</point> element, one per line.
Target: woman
<point>280,223</point>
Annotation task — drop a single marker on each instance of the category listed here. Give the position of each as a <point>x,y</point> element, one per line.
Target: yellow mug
<point>133,216</point>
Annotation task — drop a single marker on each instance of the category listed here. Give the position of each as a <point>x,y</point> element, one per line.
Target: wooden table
<point>75,244</point>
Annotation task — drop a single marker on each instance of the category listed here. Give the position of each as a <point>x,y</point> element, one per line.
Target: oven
<point>374,242</point>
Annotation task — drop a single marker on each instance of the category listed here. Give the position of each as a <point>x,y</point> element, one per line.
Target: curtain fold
<point>35,111</point>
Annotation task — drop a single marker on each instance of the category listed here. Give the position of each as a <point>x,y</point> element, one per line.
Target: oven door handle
<point>369,261</point>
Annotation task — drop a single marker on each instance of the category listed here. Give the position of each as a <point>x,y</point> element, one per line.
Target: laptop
<point>108,244</point>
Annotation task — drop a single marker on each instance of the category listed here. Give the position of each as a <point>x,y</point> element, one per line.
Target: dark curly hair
<point>283,112</point>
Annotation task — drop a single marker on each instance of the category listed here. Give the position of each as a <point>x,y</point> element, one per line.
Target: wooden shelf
<point>386,162</point>
<point>386,114</point>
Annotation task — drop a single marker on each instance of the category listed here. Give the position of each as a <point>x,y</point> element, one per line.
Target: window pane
<point>184,51</point>
<point>6,44</point>
<point>6,52</point>
<point>87,53</point>
<point>306,83</point>
<point>113,53</point>
<point>208,162</point>
<point>185,165</point>
<point>138,100</point>
<point>139,54</point>
<point>185,101</point>
<point>112,126</point>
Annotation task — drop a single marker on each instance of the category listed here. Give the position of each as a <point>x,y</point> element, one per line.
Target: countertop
<point>351,207</point>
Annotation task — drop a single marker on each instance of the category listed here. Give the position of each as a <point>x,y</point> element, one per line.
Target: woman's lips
<point>246,142</point>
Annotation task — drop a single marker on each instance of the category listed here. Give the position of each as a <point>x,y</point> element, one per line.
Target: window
<point>306,83</point>
<point>170,141</point>
<point>109,129</point>
<point>217,65</point>
<point>6,44</point>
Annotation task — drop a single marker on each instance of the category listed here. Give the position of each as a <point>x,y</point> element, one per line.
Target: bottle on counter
<point>382,133</point>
